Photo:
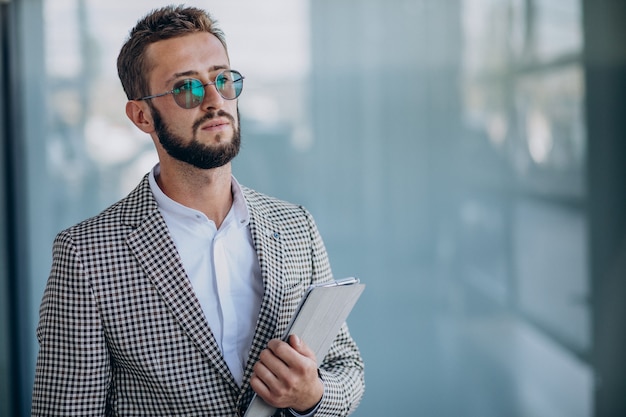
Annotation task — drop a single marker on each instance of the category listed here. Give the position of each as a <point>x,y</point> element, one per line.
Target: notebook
<point>317,321</point>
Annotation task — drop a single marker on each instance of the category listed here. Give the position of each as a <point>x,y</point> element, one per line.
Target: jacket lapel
<point>266,236</point>
<point>156,253</point>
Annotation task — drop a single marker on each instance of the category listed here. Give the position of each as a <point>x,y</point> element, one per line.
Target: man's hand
<point>286,375</point>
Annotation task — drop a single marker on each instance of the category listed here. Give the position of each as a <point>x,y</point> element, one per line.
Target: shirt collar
<point>239,209</point>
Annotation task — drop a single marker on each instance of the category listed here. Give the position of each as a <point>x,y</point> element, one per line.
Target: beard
<point>196,153</point>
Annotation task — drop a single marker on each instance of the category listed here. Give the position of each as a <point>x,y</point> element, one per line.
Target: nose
<point>212,99</point>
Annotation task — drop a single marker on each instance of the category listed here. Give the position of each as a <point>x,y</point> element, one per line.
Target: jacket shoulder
<point>274,208</point>
<point>127,211</point>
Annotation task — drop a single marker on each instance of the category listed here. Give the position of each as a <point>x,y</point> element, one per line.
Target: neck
<point>205,190</point>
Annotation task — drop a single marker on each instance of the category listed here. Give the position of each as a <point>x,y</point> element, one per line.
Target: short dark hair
<point>163,23</point>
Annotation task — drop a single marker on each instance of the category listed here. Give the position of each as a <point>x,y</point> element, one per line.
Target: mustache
<point>211,115</point>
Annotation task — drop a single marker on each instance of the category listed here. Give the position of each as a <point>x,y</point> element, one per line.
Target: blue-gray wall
<point>464,158</point>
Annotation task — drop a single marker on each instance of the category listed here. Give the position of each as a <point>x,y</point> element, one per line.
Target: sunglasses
<point>189,93</point>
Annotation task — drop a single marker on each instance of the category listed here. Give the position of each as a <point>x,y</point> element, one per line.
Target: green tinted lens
<point>189,93</point>
<point>229,84</point>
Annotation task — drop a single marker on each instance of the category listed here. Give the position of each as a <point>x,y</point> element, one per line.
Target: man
<point>171,301</point>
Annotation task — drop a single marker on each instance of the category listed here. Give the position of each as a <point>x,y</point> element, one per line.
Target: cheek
<point>181,121</point>
<point>233,109</point>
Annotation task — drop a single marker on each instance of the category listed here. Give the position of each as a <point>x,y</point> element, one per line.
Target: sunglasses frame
<point>176,91</point>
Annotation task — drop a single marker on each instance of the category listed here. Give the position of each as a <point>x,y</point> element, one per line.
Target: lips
<point>215,123</point>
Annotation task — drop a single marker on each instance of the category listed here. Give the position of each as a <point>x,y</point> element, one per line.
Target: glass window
<point>439,145</point>
<point>6,399</point>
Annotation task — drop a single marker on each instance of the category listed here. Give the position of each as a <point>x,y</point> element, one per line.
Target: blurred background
<point>463,158</point>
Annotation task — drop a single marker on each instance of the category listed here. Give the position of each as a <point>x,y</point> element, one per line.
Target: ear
<point>139,113</point>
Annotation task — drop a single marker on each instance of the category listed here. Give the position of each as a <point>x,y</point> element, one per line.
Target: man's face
<point>194,151</point>
<point>207,136</point>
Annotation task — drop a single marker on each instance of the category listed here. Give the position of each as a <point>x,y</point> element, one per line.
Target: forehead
<point>197,53</point>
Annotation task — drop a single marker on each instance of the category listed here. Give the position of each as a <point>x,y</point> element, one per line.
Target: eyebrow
<point>192,72</point>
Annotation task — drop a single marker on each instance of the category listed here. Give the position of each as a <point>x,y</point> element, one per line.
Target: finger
<point>259,386</point>
<point>268,383</point>
<point>270,362</point>
<point>302,348</point>
<point>265,376</point>
<point>284,352</point>
<point>287,363</point>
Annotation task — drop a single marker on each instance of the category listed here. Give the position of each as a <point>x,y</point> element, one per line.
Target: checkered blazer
<point>121,332</point>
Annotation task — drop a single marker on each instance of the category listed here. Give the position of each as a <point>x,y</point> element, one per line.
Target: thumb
<point>298,344</point>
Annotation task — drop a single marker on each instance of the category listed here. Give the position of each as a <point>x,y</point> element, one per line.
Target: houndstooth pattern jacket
<point>121,332</point>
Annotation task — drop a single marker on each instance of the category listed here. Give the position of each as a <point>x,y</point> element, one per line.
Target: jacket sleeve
<point>72,373</point>
<point>342,370</point>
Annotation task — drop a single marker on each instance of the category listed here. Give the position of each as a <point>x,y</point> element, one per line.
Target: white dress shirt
<point>223,268</point>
